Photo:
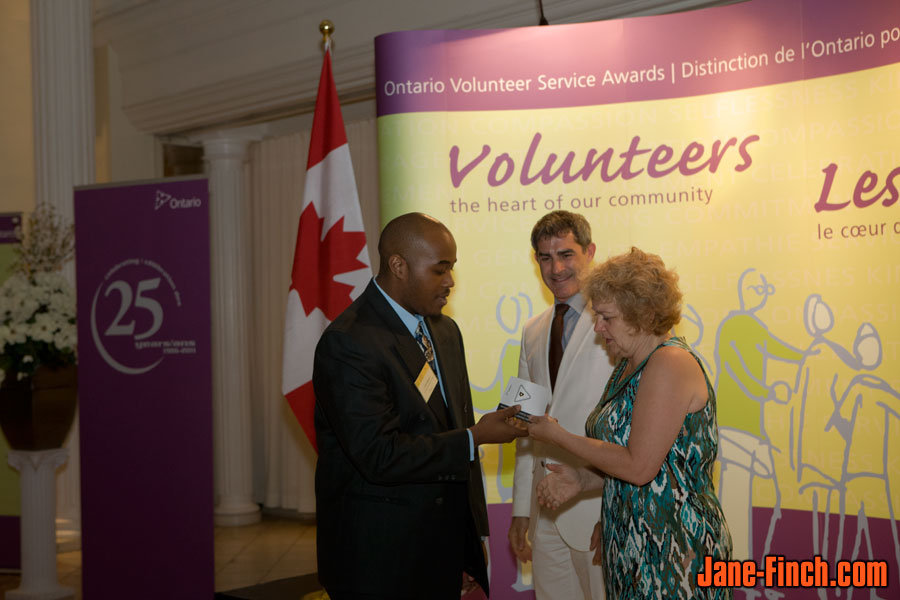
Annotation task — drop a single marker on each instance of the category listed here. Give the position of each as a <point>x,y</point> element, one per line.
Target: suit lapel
<point>402,343</point>
<point>581,336</point>
<point>543,347</point>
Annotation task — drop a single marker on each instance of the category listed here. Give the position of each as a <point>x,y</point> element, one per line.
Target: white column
<point>38,480</point>
<point>63,88</point>
<point>226,155</point>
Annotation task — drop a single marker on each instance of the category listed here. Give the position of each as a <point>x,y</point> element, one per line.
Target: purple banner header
<point>762,42</point>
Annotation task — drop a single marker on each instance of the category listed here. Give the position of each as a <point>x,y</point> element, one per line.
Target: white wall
<point>16,121</point>
<point>123,153</point>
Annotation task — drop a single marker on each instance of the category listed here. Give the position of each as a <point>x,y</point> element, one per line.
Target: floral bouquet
<point>37,303</point>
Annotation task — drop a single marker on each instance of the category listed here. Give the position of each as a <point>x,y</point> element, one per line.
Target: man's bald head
<point>416,253</point>
<point>404,233</point>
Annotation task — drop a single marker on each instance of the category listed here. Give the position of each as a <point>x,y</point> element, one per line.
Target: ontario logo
<point>164,199</point>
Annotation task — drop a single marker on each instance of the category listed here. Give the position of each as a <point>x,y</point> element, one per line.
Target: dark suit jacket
<point>399,506</point>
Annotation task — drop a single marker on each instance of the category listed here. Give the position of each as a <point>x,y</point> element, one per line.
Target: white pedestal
<point>38,482</point>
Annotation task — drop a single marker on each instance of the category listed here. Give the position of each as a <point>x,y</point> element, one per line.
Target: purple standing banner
<point>10,539</point>
<point>145,390</point>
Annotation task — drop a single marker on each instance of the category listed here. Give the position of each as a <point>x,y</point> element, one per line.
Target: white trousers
<point>560,572</point>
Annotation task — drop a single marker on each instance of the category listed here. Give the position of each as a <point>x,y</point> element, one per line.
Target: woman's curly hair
<point>641,287</point>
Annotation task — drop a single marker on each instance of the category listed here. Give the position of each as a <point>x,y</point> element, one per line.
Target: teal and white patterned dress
<point>656,536</point>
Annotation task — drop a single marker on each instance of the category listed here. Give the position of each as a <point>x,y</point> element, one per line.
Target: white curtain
<point>283,460</point>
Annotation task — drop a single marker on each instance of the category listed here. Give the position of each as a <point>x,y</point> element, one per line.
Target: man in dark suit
<point>400,501</point>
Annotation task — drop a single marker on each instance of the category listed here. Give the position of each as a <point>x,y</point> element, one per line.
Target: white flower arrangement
<point>37,303</point>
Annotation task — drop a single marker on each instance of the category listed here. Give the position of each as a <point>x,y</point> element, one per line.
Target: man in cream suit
<point>561,539</point>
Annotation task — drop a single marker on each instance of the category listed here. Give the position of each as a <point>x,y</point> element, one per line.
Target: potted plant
<point>38,337</point>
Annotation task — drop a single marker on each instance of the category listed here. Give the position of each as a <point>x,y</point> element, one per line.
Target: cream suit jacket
<point>582,376</point>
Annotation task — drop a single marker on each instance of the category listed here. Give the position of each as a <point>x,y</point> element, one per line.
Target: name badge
<point>426,381</point>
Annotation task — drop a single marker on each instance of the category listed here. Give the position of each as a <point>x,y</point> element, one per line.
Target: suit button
<point>439,501</point>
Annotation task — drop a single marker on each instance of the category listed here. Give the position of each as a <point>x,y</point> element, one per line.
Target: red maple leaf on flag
<point>321,259</point>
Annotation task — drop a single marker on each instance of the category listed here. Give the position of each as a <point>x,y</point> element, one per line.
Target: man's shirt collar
<point>410,321</point>
<point>576,302</point>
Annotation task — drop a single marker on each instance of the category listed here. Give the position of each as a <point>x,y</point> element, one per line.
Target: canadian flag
<point>331,263</point>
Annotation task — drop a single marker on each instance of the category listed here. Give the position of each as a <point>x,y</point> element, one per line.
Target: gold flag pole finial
<point>326,28</point>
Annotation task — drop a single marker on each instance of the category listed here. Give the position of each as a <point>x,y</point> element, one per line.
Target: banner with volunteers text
<point>754,147</point>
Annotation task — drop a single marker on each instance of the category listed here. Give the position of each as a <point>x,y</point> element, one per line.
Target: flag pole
<point>326,28</point>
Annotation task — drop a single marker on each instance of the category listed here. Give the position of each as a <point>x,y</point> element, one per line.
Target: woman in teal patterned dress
<point>651,442</point>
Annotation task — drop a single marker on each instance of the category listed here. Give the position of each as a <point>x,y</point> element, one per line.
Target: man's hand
<point>469,584</point>
<point>492,428</point>
<point>518,538</point>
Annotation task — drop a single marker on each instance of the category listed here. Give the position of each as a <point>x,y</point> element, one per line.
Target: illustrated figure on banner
<point>692,317</point>
<point>809,444</point>
<point>744,345</point>
<point>511,313</point>
<point>836,393</point>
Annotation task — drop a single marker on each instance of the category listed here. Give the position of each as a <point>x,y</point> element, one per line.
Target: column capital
<point>20,459</point>
<point>229,144</point>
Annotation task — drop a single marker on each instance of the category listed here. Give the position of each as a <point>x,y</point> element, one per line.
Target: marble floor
<point>275,548</point>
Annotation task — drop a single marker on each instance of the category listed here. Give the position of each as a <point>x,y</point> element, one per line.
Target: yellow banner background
<point>804,354</point>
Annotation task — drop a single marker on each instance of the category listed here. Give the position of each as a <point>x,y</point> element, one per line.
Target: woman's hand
<point>596,546</point>
<point>561,485</point>
<point>545,429</point>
